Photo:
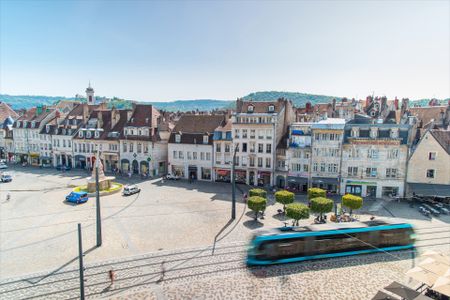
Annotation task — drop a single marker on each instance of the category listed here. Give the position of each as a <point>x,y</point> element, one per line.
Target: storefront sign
<point>373,142</point>
<point>298,174</point>
<point>361,182</point>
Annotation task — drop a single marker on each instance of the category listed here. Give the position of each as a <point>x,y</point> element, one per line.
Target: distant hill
<point>18,102</point>
<point>298,99</point>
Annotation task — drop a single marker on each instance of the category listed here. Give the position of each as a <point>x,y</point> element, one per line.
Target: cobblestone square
<point>185,227</point>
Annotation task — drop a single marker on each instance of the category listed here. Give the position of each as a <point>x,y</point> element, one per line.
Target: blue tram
<point>293,244</point>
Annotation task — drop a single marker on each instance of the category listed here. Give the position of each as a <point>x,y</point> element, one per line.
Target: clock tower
<point>90,95</point>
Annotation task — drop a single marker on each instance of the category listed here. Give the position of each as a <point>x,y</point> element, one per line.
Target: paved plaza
<point>174,240</point>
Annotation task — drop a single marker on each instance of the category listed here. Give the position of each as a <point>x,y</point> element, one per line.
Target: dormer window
<point>74,122</point>
<point>177,138</point>
<point>250,108</point>
<point>80,133</point>
<point>126,131</point>
<point>64,131</point>
<point>88,134</point>
<point>271,108</point>
<point>205,139</point>
<point>25,124</point>
<point>132,119</point>
<point>374,132</point>
<point>97,134</point>
<point>140,132</point>
<point>33,124</point>
<point>18,123</point>
<point>355,132</point>
<point>47,128</point>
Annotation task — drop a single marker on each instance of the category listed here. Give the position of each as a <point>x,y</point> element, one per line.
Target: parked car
<point>63,168</point>
<point>424,211</point>
<point>5,178</point>
<point>3,166</point>
<point>130,190</point>
<point>172,177</point>
<point>431,209</point>
<point>46,166</point>
<point>77,197</point>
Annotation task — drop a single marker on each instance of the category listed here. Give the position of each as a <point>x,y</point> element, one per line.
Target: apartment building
<point>190,149</point>
<point>298,156</point>
<point>26,134</point>
<point>144,142</point>
<point>374,158</point>
<point>258,127</point>
<point>326,145</point>
<point>223,157</point>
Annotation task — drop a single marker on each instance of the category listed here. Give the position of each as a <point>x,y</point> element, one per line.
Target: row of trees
<point>319,204</point>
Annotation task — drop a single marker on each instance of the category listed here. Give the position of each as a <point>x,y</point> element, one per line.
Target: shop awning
<point>297,179</point>
<point>326,180</point>
<point>424,189</point>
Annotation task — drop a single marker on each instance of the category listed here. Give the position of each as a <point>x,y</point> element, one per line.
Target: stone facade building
<point>26,134</point>
<point>326,145</point>
<point>190,150</point>
<point>144,142</point>
<point>298,157</point>
<point>374,158</point>
<point>429,165</point>
<point>258,127</point>
<point>223,157</point>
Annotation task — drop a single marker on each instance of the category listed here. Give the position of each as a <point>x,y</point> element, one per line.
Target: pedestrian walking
<point>163,271</point>
<point>112,276</point>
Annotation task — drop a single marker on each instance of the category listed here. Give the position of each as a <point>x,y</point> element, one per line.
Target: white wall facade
<point>187,159</point>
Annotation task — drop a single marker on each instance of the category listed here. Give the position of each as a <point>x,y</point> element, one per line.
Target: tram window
<point>342,242</point>
<point>394,237</point>
<point>283,248</point>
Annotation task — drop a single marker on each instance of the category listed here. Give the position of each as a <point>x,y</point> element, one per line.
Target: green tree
<point>284,197</point>
<point>352,202</point>
<point>297,211</point>
<point>316,192</point>
<point>257,204</point>
<point>321,206</point>
<point>257,192</point>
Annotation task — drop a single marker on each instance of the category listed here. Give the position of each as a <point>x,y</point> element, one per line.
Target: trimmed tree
<point>352,202</point>
<point>321,206</point>
<point>297,211</point>
<point>315,193</point>
<point>257,192</point>
<point>257,204</point>
<point>284,197</point>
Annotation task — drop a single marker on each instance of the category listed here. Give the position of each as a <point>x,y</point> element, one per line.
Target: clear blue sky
<point>147,50</point>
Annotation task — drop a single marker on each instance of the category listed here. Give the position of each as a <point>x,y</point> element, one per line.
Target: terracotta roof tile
<point>6,111</point>
<point>259,106</point>
<point>427,114</point>
<point>443,138</point>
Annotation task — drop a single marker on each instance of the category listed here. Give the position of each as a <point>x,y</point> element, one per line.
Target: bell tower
<point>90,95</point>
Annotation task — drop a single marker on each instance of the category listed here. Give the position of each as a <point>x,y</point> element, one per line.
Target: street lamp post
<point>233,185</point>
<point>97,203</point>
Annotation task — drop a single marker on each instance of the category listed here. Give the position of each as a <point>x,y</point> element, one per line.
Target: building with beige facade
<point>374,158</point>
<point>258,127</point>
<point>429,166</point>
<point>326,145</point>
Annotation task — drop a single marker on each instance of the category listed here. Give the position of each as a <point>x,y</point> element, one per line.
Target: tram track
<point>138,271</point>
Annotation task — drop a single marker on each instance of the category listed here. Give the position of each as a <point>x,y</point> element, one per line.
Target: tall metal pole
<point>80,259</point>
<point>233,187</point>
<point>97,204</point>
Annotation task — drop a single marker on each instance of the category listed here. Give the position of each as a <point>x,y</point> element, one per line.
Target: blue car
<point>77,197</point>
